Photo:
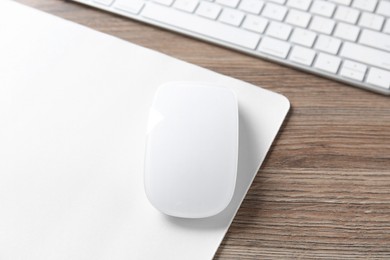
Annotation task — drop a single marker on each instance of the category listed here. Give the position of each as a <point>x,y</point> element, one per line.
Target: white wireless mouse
<point>191,149</point>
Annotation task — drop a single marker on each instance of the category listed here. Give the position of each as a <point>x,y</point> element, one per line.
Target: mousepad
<point>73,113</point>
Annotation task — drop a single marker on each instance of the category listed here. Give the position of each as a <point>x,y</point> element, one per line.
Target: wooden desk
<point>324,189</point>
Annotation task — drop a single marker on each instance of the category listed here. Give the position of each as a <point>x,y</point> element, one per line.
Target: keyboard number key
<point>328,63</point>
<point>322,8</point>
<point>251,6</point>
<point>274,11</point>
<point>322,25</point>
<point>298,18</point>
<point>367,5</point>
<point>255,23</point>
<point>383,8</point>
<point>371,21</point>
<point>230,3</point>
<point>347,32</point>
<point>299,4</point>
<point>231,16</point>
<point>346,14</point>
<point>208,10</point>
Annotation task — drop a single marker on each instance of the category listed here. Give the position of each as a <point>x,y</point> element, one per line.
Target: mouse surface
<point>191,149</point>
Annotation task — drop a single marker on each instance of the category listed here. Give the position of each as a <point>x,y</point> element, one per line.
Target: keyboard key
<point>303,37</point>
<point>131,6</point>
<point>274,11</point>
<point>371,21</point>
<point>322,25</point>
<point>328,44</point>
<point>251,6</point>
<point>347,32</point>
<point>346,14</point>
<point>231,16</point>
<point>365,54</point>
<point>322,8</point>
<point>104,2</point>
<point>201,26</point>
<point>378,77</point>
<point>164,2</point>
<point>298,18</point>
<point>302,55</point>
<point>386,29</point>
<point>375,39</point>
<point>186,5</point>
<point>281,2</point>
<point>274,47</point>
<point>383,8</point>
<point>341,2</point>
<point>353,70</point>
<point>209,10</point>
<point>230,3</point>
<point>366,5</point>
<point>279,30</point>
<point>328,63</point>
<point>299,4</point>
<point>255,23</point>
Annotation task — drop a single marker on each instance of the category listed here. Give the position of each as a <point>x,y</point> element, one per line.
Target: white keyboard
<point>345,40</point>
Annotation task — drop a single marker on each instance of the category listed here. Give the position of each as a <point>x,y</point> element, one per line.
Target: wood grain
<point>324,188</point>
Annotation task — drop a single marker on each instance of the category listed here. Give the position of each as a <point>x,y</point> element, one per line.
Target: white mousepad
<point>73,114</point>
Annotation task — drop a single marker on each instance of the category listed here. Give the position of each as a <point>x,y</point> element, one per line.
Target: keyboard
<point>344,40</point>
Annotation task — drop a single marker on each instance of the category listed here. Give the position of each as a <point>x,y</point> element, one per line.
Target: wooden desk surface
<point>324,188</point>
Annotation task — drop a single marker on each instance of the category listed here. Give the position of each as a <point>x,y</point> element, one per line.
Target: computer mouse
<point>191,149</point>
